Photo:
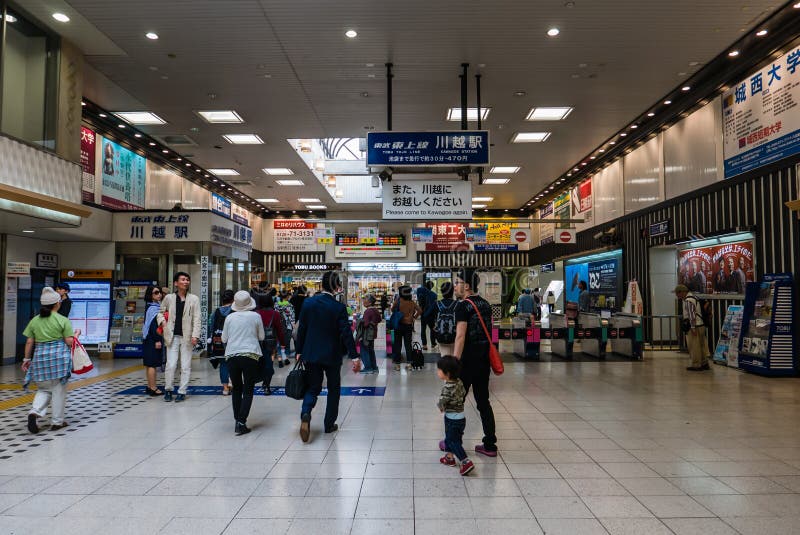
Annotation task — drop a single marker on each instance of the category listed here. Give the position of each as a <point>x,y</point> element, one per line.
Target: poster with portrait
<point>717,269</point>
<point>124,177</point>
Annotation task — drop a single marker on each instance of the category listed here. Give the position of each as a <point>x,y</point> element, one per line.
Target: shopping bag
<point>81,363</point>
<point>394,320</point>
<point>495,362</point>
<point>297,381</point>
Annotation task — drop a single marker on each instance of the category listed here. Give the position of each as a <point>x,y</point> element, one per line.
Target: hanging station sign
<point>760,115</point>
<point>428,149</point>
<point>429,199</point>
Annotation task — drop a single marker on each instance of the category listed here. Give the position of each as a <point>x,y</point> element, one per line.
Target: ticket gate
<point>592,331</point>
<point>561,334</point>
<point>625,333</point>
<point>511,336</point>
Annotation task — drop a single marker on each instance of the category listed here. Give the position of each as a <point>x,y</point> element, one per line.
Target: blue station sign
<point>428,149</point>
<point>660,228</point>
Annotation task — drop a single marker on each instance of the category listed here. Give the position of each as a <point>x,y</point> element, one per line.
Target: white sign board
<point>18,269</point>
<point>427,199</point>
<point>295,235</point>
<point>761,116</point>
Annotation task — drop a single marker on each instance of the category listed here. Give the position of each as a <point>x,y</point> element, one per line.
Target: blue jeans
<point>368,355</point>
<point>332,373</point>
<point>453,434</point>
<point>224,376</point>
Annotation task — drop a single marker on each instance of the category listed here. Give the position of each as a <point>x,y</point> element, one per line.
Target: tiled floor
<point>586,447</point>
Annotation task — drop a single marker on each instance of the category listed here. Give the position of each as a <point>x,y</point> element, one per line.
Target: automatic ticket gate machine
<point>625,333</point>
<point>593,334</point>
<point>561,334</point>
<point>520,336</point>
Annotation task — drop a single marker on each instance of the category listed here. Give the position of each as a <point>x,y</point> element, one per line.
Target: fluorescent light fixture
<point>290,182</point>
<point>476,206</point>
<point>140,117</point>
<point>60,17</point>
<point>28,231</point>
<point>268,201</point>
<point>504,169</point>
<point>224,172</point>
<point>552,32</point>
<point>530,137</point>
<point>151,35</point>
<point>309,201</point>
<point>316,206</point>
<point>220,116</point>
<point>454,114</point>
<point>351,34</point>
<point>278,171</point>
<point>548,114</point>
<point>482,199</point>
<point>243,139</point>
<point>495,181</point>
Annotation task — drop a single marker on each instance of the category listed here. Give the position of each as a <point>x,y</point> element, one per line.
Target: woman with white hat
<point>48,360</point>
<point>242,333</point>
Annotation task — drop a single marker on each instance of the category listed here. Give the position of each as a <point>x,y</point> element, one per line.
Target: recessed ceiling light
<point>634,126</point>
<point>476,206</point>
<point>103,115</point>
<point>496,181</point>
<point>601,150</point>
<point>482,199</point>
<point>552,32</point>
<point>520,93</point>
<point>584,163</point>
<point>504,169</point>
<point>179,159</point>
<point>140,117</point>
<point>686,88</point>
<point>137,134</point>
<point>651,114</point>
<point>592,157</point>
<point>612,142</point>
<point>530,137</point>
<point>576,169</point>
<point>82,102</point>
<point>164,151</point>
<point>309,201</point>
<point>243,139</point>
<point>220,116</point>
<point>60,17</point>
<point>762,33</point>
<point>316,206</point>
<point>121,125</point>
<point>151,35</point>
<point>352,34</point>
<point>279,171</point>
<point>152,144</point>
<point>667,102</point>
<point>548,114</point>
<point>797,5</point>
<point>225,171</point>
<point>28,231</point>
<point>569,174</point>
<point>623,134</point>
<point>733,53</point>
<point>290,182</point>
<point>188,164</point>
<point>454,114</point>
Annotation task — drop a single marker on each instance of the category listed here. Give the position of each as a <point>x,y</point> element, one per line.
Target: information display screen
<point>91,310</point>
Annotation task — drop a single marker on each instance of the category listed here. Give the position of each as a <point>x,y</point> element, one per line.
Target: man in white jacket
<point>179,336</point>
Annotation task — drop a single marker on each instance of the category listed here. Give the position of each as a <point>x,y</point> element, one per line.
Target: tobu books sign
<point>565,236</point>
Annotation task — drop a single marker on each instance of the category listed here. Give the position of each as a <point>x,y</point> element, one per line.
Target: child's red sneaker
<point>449,461</point>
<point>466,467</point>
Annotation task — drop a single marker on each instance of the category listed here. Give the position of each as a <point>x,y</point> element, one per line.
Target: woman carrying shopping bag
<point>48,361</point>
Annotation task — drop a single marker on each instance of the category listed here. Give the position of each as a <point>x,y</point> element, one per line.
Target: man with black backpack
<point>695,317</point>
<point>216,353</point>
<point>444,329</point>
<point>426,299</point>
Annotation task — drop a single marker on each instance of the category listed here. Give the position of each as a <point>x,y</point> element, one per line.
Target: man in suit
<point>323,337</point>
<point>180,336</point>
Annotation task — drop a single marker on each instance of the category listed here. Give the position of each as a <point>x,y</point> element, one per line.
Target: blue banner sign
<point>496,247</point>
<point>220,205</point>
<point>660,228</point>
<point>215,390</point>
<point>476,235</point>
<point>428,149</point>
<point>422,235</point>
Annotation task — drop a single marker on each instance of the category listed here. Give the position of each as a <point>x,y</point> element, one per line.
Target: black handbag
<point>297,381</point>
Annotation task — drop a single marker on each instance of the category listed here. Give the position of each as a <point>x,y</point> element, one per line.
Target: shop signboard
<point>220,205</point>
<point>88,150</point>
<point>761,116</point>
<point>295,235</point>
<point>717,269</point>
<point>422,235</point>
<point>291,266</point>
<point>429,199</point>
<point>428,149</point>
<point>124,177</point>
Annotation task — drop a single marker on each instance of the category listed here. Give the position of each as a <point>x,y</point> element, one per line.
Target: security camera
<point>598,235</point>
<point>386,174</point>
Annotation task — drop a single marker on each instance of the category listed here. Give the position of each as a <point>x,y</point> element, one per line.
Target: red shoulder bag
<point>494,356</point>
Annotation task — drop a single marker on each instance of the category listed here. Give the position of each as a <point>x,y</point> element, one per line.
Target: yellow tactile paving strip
<point>27,398</point>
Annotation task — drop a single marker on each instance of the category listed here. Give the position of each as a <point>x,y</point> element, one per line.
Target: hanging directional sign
<point>428,149</point>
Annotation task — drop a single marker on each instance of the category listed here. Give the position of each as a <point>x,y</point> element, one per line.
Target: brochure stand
<point>767,345</point>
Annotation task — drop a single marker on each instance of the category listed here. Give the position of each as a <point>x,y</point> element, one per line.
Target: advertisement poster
<point>573,274</point>
<point>755,340</point>
<point>717,269</point>
<point>582,203</point>
<point>447,237</point>
<point>603,279</point>
<point>561,209</point>
<point>295,235</point>
<point>422,235</point>
<point>88,146</point>
<point>546,230</point>
<point>727,350</point>
<point>431,199</point>
<point>761,116</point>
<point>124,177</point>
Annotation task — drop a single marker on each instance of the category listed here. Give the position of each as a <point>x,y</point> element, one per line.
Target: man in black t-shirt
<point>472,348</point>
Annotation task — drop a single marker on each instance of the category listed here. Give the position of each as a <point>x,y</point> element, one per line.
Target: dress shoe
<point>241,429</point>
<point>167,396</point>
<point>180,397</point>
<point>33,427</point>
<point>305,427</point>
<point>332,429</point>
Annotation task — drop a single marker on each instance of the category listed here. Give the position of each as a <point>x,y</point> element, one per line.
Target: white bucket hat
<point>242,301</point>
<point>49,296</point>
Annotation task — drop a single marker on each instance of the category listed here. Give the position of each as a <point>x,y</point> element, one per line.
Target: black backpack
<point>217,347</point>
<point>706,310</point>
<point>445,326</point>
<point>270,341</point>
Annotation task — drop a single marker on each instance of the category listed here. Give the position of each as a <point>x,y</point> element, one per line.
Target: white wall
<point>692,151</point>
<point>643,175</point>
<point>608,194</point>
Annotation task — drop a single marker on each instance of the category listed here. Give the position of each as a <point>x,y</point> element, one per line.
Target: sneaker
<point>287,361</point>
<point>56,427</point>
<point>180,397</point>
<point>167,396</point>
<point>449,461</point>
<point>267,390</point>
<point>280,364</point>
<point>241,429</point>
<point>305,427</point>
<point>466,467</point>
<point>33,427</point>
<point>480,448</point>
<point>442,445</point>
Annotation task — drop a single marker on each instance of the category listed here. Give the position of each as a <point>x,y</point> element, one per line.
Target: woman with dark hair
<point>153,341</point>
<point>48,360</point>
<point>402,336</point>
<point>216,348</point>
<point>273,335</point>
